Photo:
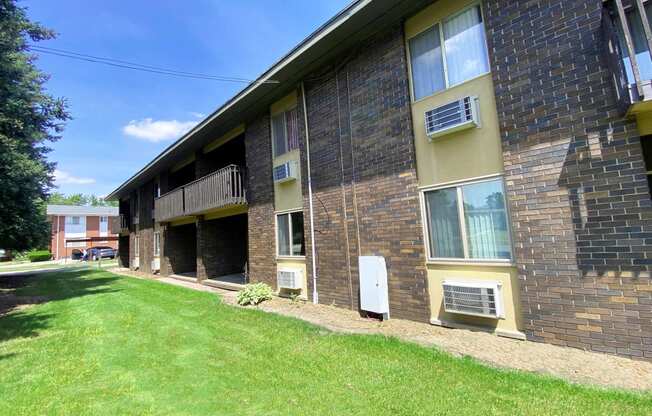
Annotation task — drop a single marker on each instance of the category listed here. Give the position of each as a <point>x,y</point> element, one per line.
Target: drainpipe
<point>57,234</point>
<point>315,296</point>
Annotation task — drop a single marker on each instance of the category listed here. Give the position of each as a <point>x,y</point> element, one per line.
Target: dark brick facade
<point>221,246</point>
<point>260,196</point>
<point>576,184</point>
<point>364,177</point>
<point>179,249</point>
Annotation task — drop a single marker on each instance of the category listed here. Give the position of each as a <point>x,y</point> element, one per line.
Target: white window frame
<point>157,244</point>
<point>289,214</point>
<point>75,220</point>
<point>442,41</point>
<point>136,245</point>
<point>285,127</point>
<point>104,218</point>
<point>462,222</point>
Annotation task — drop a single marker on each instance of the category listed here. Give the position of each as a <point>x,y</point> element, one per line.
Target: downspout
<point>57,234</point>
<point>313,249</point>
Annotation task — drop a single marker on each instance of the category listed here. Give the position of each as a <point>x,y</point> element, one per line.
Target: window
<point>462,57</point>
<point>646,142</point>
<point>74,220</point>
<point>289,234</point>
<point>104,220</point>
<point>157,244</point>
<point>136,245</point>
<point>285,131</point>
<point>468,222</point>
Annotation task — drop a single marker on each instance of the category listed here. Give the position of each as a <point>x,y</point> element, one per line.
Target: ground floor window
<point>136,246</point>
<point>157,244</point>
<point>289,234</point>
<point>468,221</point>
<point>646,142</point>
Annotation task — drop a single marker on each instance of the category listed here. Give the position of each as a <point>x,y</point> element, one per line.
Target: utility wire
<point>140,67</point>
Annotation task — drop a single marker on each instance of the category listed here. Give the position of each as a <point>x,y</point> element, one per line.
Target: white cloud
<point>64,178</point>
<point>197,115</point>
<point>157,130</point>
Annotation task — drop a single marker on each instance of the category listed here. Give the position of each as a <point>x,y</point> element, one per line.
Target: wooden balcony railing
<point>220,189</point>
<point>169,206</point>
<point>626,31</point>
<point>119,224</point>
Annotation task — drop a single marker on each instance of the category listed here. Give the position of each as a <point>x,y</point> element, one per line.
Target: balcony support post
<point>630,46</point>
<point>646,25</point>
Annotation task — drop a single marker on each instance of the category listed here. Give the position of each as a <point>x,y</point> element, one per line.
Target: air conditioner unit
<point>473,298</point>
<point>285,172</point>
<point>135,263</point>
<point>455,116</point>
<point>156,264</point>
<point>289,279</point>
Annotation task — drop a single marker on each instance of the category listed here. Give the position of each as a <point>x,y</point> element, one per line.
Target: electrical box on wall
<point>373,285</point>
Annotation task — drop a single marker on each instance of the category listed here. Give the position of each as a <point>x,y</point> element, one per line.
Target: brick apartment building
<point>76,228</point>
<point>477,164</point>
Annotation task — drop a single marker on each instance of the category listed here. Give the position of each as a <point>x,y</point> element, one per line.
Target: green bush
<point>39,255</point>
<point>253,294</point>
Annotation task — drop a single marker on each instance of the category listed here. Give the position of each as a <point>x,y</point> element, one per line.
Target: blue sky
<point>123,118</point>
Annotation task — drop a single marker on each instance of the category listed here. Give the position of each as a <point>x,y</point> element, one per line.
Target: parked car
<point>5,255</point>
<point>94,253</point>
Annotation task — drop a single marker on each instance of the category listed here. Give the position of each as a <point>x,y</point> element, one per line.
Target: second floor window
<point>285,131</point>
<point>74,220</point>
<point>104,219</point>
<point>448,53</point>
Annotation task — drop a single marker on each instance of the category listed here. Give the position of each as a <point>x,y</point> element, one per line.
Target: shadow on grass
<point>18,292</point>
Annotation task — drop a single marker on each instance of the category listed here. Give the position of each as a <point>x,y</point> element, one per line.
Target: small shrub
<point>39,255</point>
<point>253,294</point>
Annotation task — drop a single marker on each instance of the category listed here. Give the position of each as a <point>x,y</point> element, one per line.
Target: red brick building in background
<point>76,228</point>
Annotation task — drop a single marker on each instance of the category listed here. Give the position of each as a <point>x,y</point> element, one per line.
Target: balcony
<point>222,189</point>
<point>119,224</point>
<point>626,30</point>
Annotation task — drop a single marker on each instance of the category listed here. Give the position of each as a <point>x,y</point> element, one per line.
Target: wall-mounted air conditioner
<point>289,279</point>
<point>455,116</point>
<point>473,298</point>
<point>156,264</point>
<point>285,172</point>
<point>135,263</point>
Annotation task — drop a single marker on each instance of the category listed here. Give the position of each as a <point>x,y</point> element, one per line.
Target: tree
<point>58,198</point>
<point>29,120</point>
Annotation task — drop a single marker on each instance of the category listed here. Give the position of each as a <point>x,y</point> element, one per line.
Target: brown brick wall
<point>575,179</point>
<point>221,246</point>
<point>364,177</point>
<point>123,251</point>
<point>260,196</point>
<point>179,249</point>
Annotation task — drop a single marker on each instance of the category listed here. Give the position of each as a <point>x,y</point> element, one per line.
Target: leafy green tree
<point>29,120</point>
<point>58,198</point>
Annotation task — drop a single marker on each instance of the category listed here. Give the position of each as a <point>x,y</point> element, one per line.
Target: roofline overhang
<point>286,63</point>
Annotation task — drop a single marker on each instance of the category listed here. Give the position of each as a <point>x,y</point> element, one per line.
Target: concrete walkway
<point>568,363</point>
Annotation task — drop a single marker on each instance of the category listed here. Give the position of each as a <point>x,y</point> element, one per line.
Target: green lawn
<point>27,266</point>
<point>113,345</point>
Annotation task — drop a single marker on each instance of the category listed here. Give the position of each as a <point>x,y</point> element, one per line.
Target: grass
<point>110,345</point>
<point>27,266</point>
